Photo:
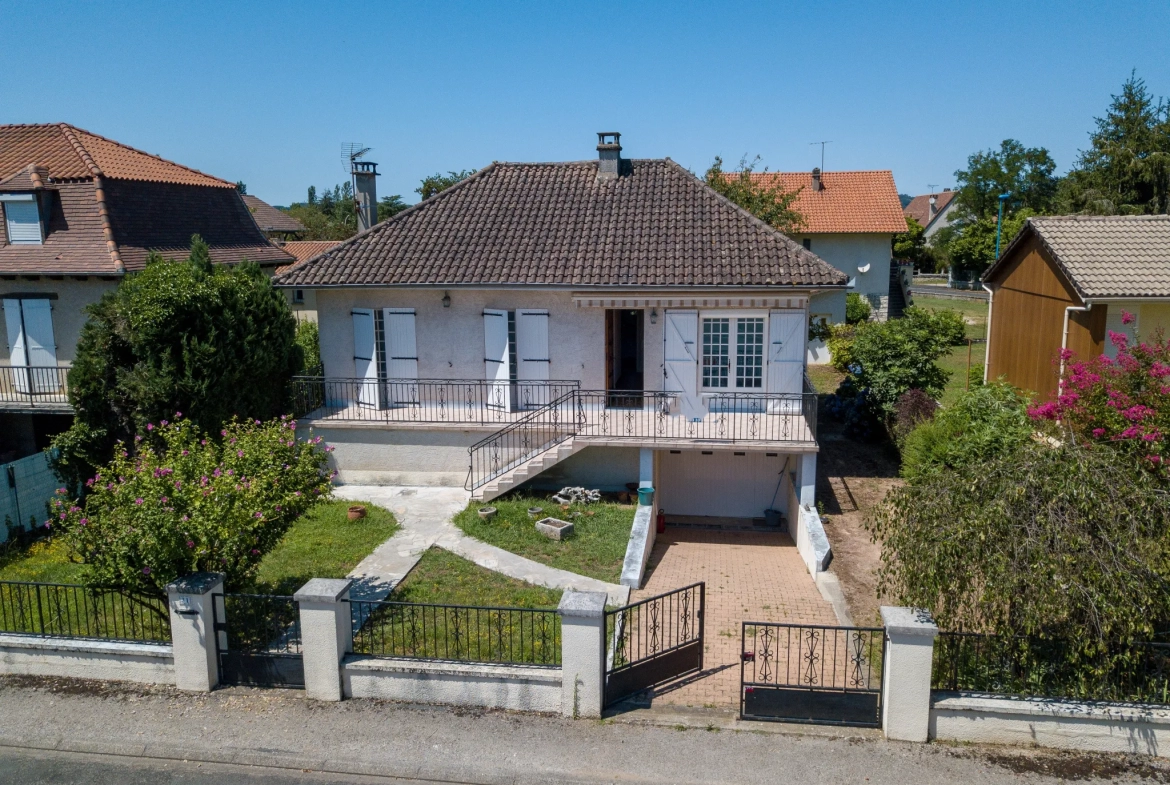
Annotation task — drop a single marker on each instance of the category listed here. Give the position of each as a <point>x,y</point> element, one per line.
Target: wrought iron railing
<point>655,627</point>
<point>522,636</point>
<point>34,387</point>
<point>1137,672</point>
<point>260,623</point>
<point>469,401</point>
<point>522,440</point>
<point>812,656</point>
<point>62,610</point>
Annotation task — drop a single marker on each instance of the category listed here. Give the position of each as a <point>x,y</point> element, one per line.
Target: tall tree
<point>766,200</point>
<point>1026,174</point>
<point>390,206</point>
<point>439,182</point>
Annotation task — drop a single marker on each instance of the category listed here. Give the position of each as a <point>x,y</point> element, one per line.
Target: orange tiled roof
<point>304,250</point>
<point>850,203</point>
<point>919,207</point>
<point>71,153</point>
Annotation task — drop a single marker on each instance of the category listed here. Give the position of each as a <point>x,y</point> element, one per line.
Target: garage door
<point>722,484</point>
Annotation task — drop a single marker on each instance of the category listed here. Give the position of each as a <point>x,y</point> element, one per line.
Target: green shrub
<point>308,338</point>
<point>857,309</point>
<point>184,503</point>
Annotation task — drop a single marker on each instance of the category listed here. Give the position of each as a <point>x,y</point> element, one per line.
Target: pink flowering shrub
<point>1123,402</point>
<point>185,503</point>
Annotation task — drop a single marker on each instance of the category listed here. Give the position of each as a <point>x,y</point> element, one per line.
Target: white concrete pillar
<point>326,635</point>
<point>909,656</point>
<point>646,468</point>
<point>193,630</point>
<point>808,479</point>
<point>582,653</point>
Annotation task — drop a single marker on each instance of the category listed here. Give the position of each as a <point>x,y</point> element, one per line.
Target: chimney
<point>932,211</point>
<point>609,155</point>
<point>817,185</point>
<point>365,192</point>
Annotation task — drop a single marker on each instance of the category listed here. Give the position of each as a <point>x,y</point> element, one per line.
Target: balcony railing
<point>24,387</point>
<point>459,401</point>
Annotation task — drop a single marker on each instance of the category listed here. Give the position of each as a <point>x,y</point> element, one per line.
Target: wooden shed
<point>1064,283</point>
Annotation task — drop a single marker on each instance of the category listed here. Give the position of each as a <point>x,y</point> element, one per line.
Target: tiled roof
<point>849,203</point>
<point>919,207</point>
<point>1104,256</point>
<point>269,219</point>
<point>305,250</point>
<point>74,243</point>
<point>71,153</point>
<point>557,224</point>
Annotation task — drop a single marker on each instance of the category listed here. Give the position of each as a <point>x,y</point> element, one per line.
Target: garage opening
<point>723,489</point>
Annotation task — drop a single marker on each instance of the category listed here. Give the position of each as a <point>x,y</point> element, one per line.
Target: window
<point>22,219</point>
<point>807,243</point>
<point>739,365</point>
<point>298,295</point>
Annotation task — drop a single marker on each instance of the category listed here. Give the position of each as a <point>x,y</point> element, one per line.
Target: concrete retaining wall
<point>151,663</point>
<point>806,530</point>
<point>516,687</point>
<point>1089,727</point>
<point>642,536</point>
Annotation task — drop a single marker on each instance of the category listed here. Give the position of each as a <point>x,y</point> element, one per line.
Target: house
<point>850,219</point>
<point>1064,282</point>
<point>304,301</point>
<point>932,211</point>
<point>606,323</point>
<point>79,213</point>
<point>276,224</point>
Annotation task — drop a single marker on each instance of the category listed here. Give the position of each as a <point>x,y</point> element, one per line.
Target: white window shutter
<point>16,342</point>
<point>532,358</point>
<point>497,361</point>
<point>787,342</point>
<point>24,223</point>
<point>401,354</point>
<point>365,357</point>
<point>682,360</point>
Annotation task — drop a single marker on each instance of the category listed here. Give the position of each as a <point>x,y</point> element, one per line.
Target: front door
<point>624,355</point>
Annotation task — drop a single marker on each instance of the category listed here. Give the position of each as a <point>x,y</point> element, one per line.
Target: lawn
<point>43,561</point>
<point>974,313</point>
<point>596,548</point>
<point>825,378</point>
<point>442,578</point>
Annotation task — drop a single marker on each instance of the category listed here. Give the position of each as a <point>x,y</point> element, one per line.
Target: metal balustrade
<point>25,387</point>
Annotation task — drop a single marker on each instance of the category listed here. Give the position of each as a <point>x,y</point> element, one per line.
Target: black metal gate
<point>811,673</point>
<point>654,641</point>
<point>258,640</point>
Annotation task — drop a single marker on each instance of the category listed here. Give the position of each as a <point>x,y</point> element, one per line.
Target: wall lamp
<point>653,316</point>
<point>446,300</point>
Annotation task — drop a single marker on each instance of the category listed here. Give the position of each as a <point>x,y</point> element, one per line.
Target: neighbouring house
<point>1064,283</point>
<point>850,219</point>
<point>276,224</point>
<point>604,323</point>
<point>79,213</point>
<point>304,301</point>
<point>932,211</point>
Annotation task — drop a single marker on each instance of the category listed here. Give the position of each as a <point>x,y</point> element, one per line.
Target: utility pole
<point>822,144</point>
<point>999,223</point>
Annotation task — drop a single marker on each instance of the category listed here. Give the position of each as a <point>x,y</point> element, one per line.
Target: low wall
<point>32,655</point>
<point>1089,727</point>
<point>516,687</point>
<point>642,535</point>
<point>806,530</point>
<point>375,454</point>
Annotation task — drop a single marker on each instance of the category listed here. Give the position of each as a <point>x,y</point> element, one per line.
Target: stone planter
<point>534,512</point>
<point>554,528</point>
<point>356,512</point>
<point>487,513</point>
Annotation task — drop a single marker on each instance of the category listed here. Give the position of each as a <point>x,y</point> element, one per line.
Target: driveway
<point>750,577</point>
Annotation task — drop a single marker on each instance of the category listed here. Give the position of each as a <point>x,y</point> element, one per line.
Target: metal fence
<point>61,610</point>
<point>24,387</point>
<point>1136,672</point>
<point>470,401</point>
<point>521,636</point>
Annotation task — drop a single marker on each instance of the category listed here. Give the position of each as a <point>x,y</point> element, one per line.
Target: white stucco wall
<point>605,468</point>
<point>68,309</point>
<point>84,659</point>
<point>366,454</point>
<point>849,252</point>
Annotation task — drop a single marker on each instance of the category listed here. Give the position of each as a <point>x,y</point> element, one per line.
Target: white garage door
<point>721,484</point>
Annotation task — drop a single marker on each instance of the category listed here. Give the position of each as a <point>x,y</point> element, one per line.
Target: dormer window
<point>22,219</point>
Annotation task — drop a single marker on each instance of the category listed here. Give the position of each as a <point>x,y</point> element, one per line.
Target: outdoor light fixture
<point>183,607</point>
<point>446,300</point>
<point>653,316</point>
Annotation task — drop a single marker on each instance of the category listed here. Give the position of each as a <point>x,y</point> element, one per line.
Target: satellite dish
<point>863,268</point>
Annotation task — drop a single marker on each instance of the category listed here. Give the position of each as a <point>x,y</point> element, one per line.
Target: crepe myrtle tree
<point>184,501</point>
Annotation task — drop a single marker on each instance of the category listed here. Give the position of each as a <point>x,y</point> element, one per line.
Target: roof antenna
<point>350,152</point>
<point>932,186</point>
<point>822,144</point>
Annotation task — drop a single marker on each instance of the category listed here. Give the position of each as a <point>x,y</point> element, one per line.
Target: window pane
<point>749,353</point>
<point>716,352</point>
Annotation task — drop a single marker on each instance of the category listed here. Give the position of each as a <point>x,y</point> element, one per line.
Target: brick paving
<point>750,577</point>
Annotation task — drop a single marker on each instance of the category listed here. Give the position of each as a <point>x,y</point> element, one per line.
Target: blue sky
<point>267,92</point>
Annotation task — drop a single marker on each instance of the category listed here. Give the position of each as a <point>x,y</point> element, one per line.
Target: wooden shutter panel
<point>401,354</point>
<point>682,360</point>
<point>365,357</point>
<point>497,363</point>
<point>787,342</point>
<point>16,342</point>
<point>532,358</point>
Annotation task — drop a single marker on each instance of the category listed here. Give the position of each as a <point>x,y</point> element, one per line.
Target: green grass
<point>825,378</point>
<point>323,543</point>
<point>442,578</point>
<point>974,313</point>
<point>596,547</point>
<point>44,561</point>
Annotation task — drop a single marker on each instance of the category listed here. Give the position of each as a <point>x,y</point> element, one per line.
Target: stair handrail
<point>570,428</point>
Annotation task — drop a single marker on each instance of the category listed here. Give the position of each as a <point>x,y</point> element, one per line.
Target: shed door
<point>787,338</point>
<point>497,361</point>
<point>532,358</point>
<point>365,358</point>
<point>682,360</point>
<point>401,355</point>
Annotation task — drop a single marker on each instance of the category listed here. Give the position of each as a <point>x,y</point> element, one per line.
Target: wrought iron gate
<point>258,640</point>
<point>811,673</point>
<point>654,641</point>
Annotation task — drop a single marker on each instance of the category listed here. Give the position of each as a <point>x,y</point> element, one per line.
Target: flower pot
<point>554,528</point>
<point>487,512</point>
<point>534,512</point>
<point>356,512</point>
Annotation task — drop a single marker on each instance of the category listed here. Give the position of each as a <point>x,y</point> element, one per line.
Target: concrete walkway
<point>425,515</point>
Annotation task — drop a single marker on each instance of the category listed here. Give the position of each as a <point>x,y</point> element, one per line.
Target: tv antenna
<point>932,186</point>
<point>822,144</point>
<point>352,151</point>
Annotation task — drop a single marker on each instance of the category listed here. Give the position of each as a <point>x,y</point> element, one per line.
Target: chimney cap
<point>816,179</point>
<point>609,139</point>
<point>363,167</point>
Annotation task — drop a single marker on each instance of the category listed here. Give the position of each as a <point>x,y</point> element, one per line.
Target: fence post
<point>582,653</point>
<point>192,606</point>
<point>326,635</point>
<point>909,656</point>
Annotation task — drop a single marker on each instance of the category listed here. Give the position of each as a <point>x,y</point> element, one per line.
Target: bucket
<point>645,497</point>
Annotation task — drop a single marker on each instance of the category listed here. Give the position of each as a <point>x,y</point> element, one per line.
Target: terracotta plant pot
<point>535,512</point>
<point>355,512</point>
<point>564,507</point>
<point>487,512</point>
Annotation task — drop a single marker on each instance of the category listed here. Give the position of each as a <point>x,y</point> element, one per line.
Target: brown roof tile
<point>850,202</point>
<point>919,207</point>
<point>557,224</point>
<point>269,219</point>
<point>304,250</point>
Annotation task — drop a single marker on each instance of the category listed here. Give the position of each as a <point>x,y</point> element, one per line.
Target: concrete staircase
<point>899,293</point>
<point>527,470</point>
